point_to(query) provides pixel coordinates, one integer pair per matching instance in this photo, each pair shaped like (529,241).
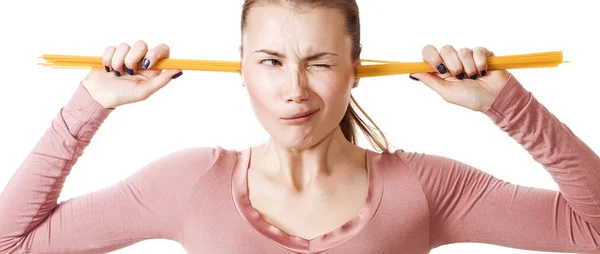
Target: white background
(208,109)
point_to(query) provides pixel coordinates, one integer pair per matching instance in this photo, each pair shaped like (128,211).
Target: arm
(469,205)
(149,204)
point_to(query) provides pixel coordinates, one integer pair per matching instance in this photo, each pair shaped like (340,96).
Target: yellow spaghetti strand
(375,68)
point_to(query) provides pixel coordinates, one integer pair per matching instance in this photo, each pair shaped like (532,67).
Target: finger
(107,57)
(432,56)
(119,57)
(452,61)
(135,55)
(433,81)
(466,58)
(161,51)
(154,84)
(480,56)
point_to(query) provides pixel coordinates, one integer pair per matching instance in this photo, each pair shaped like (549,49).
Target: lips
(302,114)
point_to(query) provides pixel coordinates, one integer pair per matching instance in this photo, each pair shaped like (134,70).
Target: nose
(296,87)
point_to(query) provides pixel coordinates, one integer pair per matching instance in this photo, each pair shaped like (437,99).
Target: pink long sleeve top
(198,196)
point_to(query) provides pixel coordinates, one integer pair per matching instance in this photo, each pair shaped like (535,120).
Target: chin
(299,138)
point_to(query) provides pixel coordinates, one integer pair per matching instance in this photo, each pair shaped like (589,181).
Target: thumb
(434,82)
(154,84)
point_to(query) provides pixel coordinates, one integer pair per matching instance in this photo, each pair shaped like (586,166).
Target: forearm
(32,192)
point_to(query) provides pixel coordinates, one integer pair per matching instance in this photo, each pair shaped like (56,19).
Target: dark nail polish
(461,76)
(483,72)
(441,68)
(177,75)
(106,68)
(145,63)
(413,78)
(475,76)
(129,71)
(117,73)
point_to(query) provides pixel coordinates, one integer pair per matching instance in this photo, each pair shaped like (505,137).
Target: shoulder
(194,162)
(196,155)
(203,155)
(432,168)
(418,161)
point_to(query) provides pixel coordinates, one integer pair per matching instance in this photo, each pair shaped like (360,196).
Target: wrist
(90,86)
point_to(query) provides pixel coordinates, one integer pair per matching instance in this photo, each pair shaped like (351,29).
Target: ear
(241,50)
(356,65)
(356,79)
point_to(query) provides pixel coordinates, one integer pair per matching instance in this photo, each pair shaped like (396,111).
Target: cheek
(335,90)
(261,91)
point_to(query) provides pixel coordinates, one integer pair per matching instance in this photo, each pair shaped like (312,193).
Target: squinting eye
(273,61)
(323,65)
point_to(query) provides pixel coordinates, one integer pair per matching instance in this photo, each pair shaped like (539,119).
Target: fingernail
(483,72)
(106,68)
(129,71)
(413,78)
(461,76)
(441,68)
(475,76)
(177,75)
(117,73)
(145,63)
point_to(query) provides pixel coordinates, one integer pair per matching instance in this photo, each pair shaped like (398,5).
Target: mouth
(300,118)
(300,115)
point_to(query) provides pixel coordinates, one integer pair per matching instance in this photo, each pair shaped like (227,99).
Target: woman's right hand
(122,82)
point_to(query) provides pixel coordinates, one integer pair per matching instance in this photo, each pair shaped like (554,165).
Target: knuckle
(427,48)
(110,49)
(465,52)
(430,54)
(164,46)
(162,50)
(124,46)
(447,49)
(141,45)
(479,51)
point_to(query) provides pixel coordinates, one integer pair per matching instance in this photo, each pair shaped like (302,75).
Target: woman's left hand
(463,77)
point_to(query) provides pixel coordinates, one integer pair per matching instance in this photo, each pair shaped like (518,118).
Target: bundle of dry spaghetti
(376,68)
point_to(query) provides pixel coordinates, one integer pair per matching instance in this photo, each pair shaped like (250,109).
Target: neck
(301,168)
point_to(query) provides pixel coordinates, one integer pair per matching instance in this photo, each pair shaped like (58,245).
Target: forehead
(280,26)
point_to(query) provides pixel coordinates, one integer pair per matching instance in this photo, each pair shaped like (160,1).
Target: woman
(309,188)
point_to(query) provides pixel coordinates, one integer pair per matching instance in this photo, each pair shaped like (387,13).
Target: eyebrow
(308,58)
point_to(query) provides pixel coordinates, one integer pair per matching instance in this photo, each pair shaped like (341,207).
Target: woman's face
(295,62)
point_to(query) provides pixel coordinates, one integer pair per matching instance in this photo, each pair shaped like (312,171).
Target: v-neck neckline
(344,232)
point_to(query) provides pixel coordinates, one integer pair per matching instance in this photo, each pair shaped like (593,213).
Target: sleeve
(469,205)
(149,204)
